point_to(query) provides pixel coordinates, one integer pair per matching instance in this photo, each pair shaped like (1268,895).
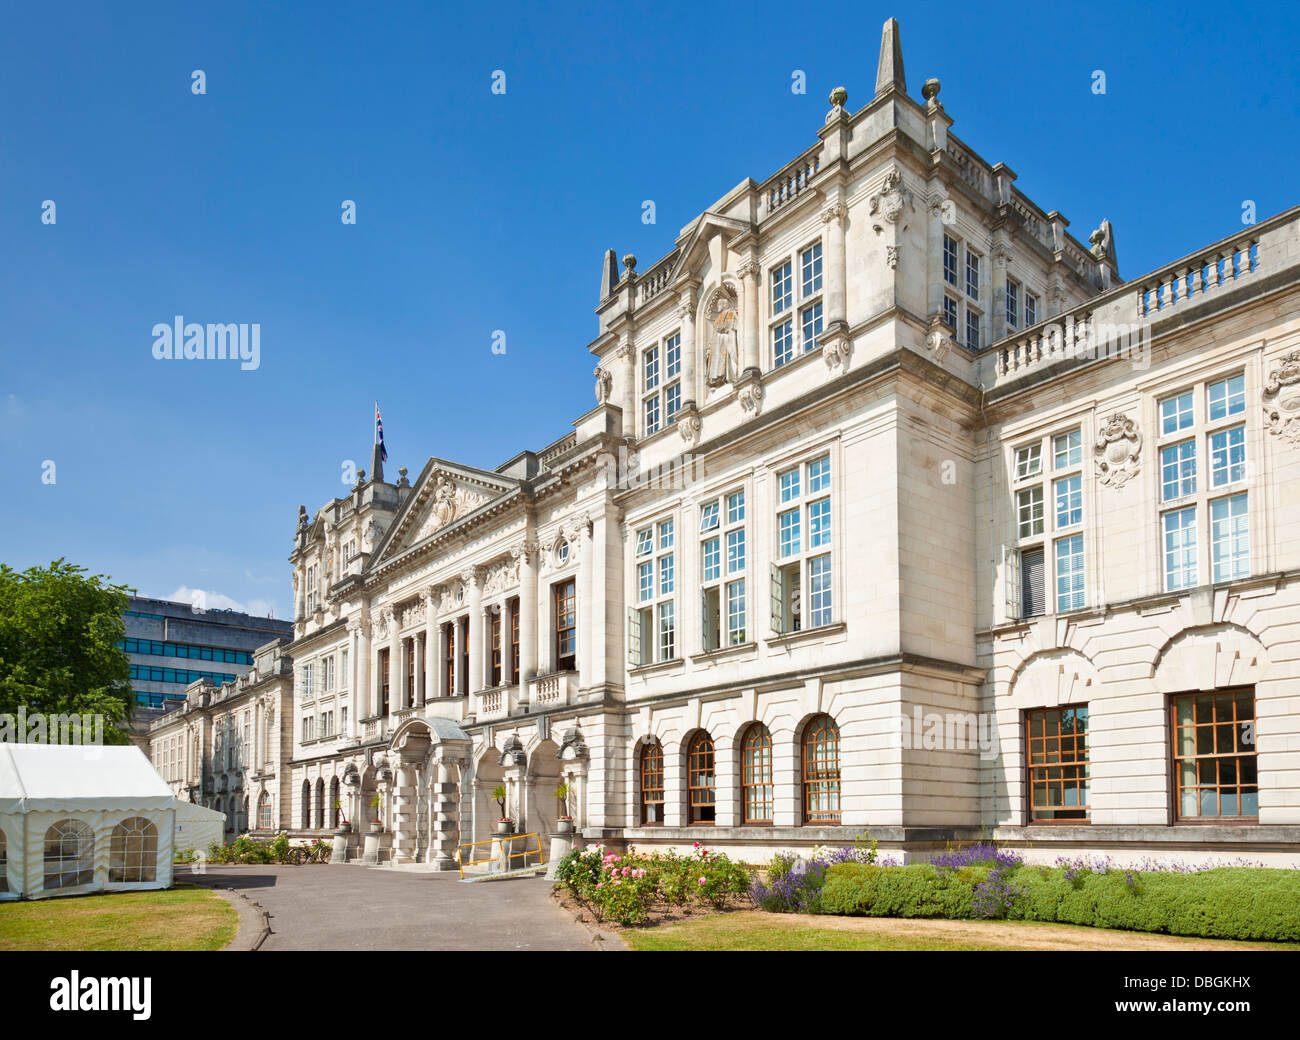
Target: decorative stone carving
(448,601)
(938,341)
(604,385)
(415,614)
(513,753)
(891,257)
(573,748)
(833,212)
(722,346)
(449,503)
(749,267)
(835,352)
(689,427)
(501,576)
(888,204)
(1282,399)
(1103,241)
(383,622)
(1116,450)
(750,396)
(523,552)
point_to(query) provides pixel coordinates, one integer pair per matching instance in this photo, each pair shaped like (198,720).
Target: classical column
(457,658)
(507,649)
(833,217)
(396,665)
(404,811)
(444,829)
(626,354)
(432,648)
(748,271)
(474,584)
(686,312)
(526,553)
(584,619)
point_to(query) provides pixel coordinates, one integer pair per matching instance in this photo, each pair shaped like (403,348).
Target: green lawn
(179,919)
(761,931)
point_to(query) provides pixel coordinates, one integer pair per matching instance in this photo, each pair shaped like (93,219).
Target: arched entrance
(426,756)
(542,779)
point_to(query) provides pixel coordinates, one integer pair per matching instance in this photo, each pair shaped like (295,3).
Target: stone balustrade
(790,181)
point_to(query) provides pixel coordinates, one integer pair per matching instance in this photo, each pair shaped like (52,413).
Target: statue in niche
(722,351)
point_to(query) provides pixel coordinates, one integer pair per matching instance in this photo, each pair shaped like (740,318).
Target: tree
(60,653)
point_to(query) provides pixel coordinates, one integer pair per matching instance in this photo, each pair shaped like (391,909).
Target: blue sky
(478,212)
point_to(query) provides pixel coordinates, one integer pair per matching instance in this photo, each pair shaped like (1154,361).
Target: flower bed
(631,888)
(988,883)
(246,849)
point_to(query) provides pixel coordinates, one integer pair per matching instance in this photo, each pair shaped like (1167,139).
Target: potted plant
(504,825)
(344,827)
(377,804)
(562,794)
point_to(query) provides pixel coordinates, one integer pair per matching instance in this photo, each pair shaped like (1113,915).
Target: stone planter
(564,826)
(505,827)
(375,827)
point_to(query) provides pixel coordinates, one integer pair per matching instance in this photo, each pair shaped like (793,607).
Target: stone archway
(427,756)
(484,811)
(541,806)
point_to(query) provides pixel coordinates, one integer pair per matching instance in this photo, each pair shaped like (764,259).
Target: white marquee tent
(77,818)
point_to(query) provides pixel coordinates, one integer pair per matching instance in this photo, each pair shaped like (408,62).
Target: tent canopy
(68,777)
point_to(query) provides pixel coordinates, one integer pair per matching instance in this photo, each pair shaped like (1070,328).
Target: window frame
(1060,764)
(701,764)
(1175,759)
(812,782)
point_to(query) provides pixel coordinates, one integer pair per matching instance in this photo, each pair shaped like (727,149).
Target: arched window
(4,862)
(320,804)
(133,851)
(335,807)
(756,775)
(69,855)
(821,771)
(264,819)
(701,797)
(652,783)
(306,804)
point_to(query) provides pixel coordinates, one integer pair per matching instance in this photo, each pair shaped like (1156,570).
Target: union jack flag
(379,434)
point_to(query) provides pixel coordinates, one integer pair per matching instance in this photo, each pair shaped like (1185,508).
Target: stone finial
(839,97)
(889,73)
(401,474)
(930,90)
(629,262)
(608,274)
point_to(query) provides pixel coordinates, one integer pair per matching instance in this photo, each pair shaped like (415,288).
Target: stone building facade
(898,511)
(227,746)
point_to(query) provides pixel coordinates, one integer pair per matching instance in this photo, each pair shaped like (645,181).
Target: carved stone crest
(689,427)
(1116,450)
(750,397)
(1282,399)
(449,503)
(888,204)
(835,352)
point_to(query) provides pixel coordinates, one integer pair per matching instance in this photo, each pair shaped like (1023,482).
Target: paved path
(351,907)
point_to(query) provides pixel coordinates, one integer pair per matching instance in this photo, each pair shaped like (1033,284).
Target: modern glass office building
(170,645)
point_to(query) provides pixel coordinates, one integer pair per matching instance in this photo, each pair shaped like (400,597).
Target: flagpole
(374,432)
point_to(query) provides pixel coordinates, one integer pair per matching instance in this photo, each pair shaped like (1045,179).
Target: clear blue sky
(479,212)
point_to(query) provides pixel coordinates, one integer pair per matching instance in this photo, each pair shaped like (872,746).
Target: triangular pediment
(443,495)
(693,247)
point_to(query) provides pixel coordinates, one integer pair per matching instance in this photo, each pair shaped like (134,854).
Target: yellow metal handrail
(541,856)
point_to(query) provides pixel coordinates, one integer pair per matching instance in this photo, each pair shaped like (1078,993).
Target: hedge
(1222,903)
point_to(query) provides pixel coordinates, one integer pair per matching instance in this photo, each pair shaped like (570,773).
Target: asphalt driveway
(351,907)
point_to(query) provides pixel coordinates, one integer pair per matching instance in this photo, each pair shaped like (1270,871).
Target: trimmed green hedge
(1224,903)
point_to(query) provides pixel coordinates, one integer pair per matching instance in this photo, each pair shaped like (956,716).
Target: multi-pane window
(821,771)
(1013,303)
(782,343)
(566,627)
(1057,756)
(701,789)
(810,325)
(652,783)
(756,787)
(801,574)
(661,387)
(1206,421)
(1035,566)
(951,258)
(652,622)
(950,313)
(1230,538)
(1031,309)
(722,571)
(972,329)
(810,269)
(1215,767)
(782,287)
(69,855)
(972,274)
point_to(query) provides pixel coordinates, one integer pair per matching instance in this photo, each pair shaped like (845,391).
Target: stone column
(507,650)
(432,648)
(396,666)
(585,618)
(752,306)
(457,657)
(474,585)
(444,813)
(998,291)
(404,810)
(833,217)
(526,553)
(626,355)
(686,312)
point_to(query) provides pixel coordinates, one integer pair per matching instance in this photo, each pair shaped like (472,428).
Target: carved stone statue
(722,350)
(604,384)
(444,501)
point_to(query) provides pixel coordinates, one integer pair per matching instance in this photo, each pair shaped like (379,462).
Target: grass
(178,919)
(741,931)
(746,930)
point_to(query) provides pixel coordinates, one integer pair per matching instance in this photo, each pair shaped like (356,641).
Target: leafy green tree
(59,652)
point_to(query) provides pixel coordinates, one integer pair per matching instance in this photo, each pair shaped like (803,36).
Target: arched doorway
(543,778)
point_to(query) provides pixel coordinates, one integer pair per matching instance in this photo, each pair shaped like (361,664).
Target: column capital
(525,551)
(472,577)
(835,212)
(748,268)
